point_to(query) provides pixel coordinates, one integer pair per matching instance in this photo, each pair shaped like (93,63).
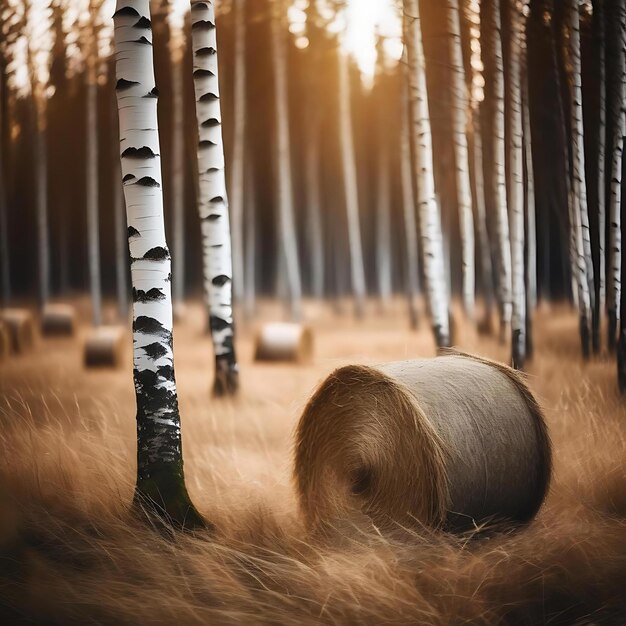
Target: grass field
(70,553)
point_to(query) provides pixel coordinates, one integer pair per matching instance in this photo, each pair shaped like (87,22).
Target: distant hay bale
(104,347)
(281,341)
(447,442)
(58,320)
(21,329)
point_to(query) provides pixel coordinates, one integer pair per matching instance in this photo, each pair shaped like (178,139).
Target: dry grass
(70,554)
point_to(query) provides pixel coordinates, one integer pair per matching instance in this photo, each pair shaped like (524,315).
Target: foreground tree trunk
(493,45)
(516,189)
(428,210)
(350,186)
(578,195)
(160,477)
(461,156)
(212,200)
(286,219)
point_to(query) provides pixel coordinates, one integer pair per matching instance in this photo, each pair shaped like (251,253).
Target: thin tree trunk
(212,201)
(498,181)
(286,220)
(41,168)
(350,186)
(237,184)
(5,270)
(250,247)
(314,206)
(618,115)
(516,190)
(621,339)
(177,194)
(91,170)
(383,222)
(461,157)
(579,190)
(160,476)
(408,209)
(428,210)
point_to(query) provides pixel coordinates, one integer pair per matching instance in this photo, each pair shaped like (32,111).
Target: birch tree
(579,216)
(516,187)
(497,187)
(160,476)
(286,220)
(428,211)
(618,125)
(461,155)
(212,199)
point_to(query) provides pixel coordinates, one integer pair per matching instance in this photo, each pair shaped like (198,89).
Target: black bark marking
(207,51)
(205,143)
(201,73)
(123,84)
(211,217)
(143,41)
(152,295)
(166,371)
(220,280)
(211,122)
(216,245)
(203,25)
(216,200)
(153,93)
(207,97)
(143,22)
(147,181)
(133,232)
(158,253)
(149,326)
(138,153)
(126,11)
(217,323)
(127,178)
(155,350)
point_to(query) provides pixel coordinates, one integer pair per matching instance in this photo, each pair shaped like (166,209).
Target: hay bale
(450,442)
(281,341)
(58,320)
(21,329)
(104,347)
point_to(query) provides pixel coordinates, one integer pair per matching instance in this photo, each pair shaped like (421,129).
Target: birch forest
(311,311)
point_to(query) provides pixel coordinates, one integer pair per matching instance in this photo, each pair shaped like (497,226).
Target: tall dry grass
(70,553)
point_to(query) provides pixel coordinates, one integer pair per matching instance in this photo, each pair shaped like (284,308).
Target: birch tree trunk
(383,221)
(91,184)
(516,190)
(286,219)
(177,194)
(212,200)
(160,475)
(461,157)
(579,210)
(498,182)
(428,210)
(599,37)
(250,249)
(408,209)
(237,184)
(618,125)
(350,186)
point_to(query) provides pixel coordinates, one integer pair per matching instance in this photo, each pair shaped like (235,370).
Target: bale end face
(21,329)
(58,320)
(284,342)
(104,347)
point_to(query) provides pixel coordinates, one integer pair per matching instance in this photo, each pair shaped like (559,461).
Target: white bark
(499,173)
(531,227)
(237,184)
(428,210)
(516,189)
(177,193)
(212,200)
(250,248)
(615,199)
(461,156)
(158,420)
(350,185)
(286,220)
(579,211)
(383,223)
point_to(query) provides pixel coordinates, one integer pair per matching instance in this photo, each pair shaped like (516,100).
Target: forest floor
(70,554)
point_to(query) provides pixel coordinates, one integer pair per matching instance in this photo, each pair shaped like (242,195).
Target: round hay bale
(58,320)
(104,347)
(21,329)
(450,442)
(282,341)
